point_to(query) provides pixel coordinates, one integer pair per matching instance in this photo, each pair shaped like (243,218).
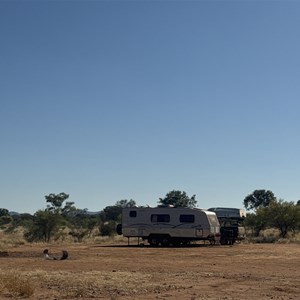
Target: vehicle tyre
(119,229)
(176,242)
(186,243)
(153,241)
(223,241)
(212,241)
(165,241)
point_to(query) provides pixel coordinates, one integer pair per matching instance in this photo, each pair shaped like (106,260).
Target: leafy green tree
(284,216)
(20,220)
(82,224)
(298,202)
(4,212)
(114,212)
(126,203)
(56,201)
(256,221)
(5,218)
(178,199)
(45,224)
(112,215)
(258,199)
(70,210)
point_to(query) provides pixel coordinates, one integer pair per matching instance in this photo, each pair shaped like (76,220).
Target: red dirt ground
(244,271)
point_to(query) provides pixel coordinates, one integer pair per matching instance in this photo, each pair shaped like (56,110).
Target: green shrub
(108,229)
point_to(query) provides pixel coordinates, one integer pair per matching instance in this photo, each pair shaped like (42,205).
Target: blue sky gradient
(111,100)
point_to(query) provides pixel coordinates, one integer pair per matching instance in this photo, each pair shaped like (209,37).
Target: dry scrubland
(109,269)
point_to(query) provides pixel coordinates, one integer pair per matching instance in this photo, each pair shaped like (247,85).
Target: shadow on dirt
(157,247)
(15,254)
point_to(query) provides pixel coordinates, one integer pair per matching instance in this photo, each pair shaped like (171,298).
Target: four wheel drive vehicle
(229,213)
(229,235)
(231,220)
(169,225)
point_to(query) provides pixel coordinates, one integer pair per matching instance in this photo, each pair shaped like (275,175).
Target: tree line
(61,217)
(266,211)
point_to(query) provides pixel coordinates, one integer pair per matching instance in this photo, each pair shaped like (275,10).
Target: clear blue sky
(111,100)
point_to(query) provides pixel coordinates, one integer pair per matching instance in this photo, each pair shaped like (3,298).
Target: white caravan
(169,225)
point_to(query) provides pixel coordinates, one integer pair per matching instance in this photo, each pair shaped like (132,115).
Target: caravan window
(213,220)
(160,218)
(187,218)
(132,214)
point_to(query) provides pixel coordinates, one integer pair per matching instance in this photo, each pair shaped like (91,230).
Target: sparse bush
(78,235)
(266,239)
(284,216)
(4,220)
(281,215)
(108,229)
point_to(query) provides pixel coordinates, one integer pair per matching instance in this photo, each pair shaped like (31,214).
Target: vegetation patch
(16,285)
(86,285)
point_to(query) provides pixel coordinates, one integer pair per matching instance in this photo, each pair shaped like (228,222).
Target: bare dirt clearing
(245,271)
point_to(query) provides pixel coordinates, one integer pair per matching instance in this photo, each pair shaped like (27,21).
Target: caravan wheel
(176,242)
(153,241)
(165,241)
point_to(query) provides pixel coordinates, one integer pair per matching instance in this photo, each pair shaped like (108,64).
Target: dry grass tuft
(272,236)
(95,284)
(91,285)
(16,285)
(13,239)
